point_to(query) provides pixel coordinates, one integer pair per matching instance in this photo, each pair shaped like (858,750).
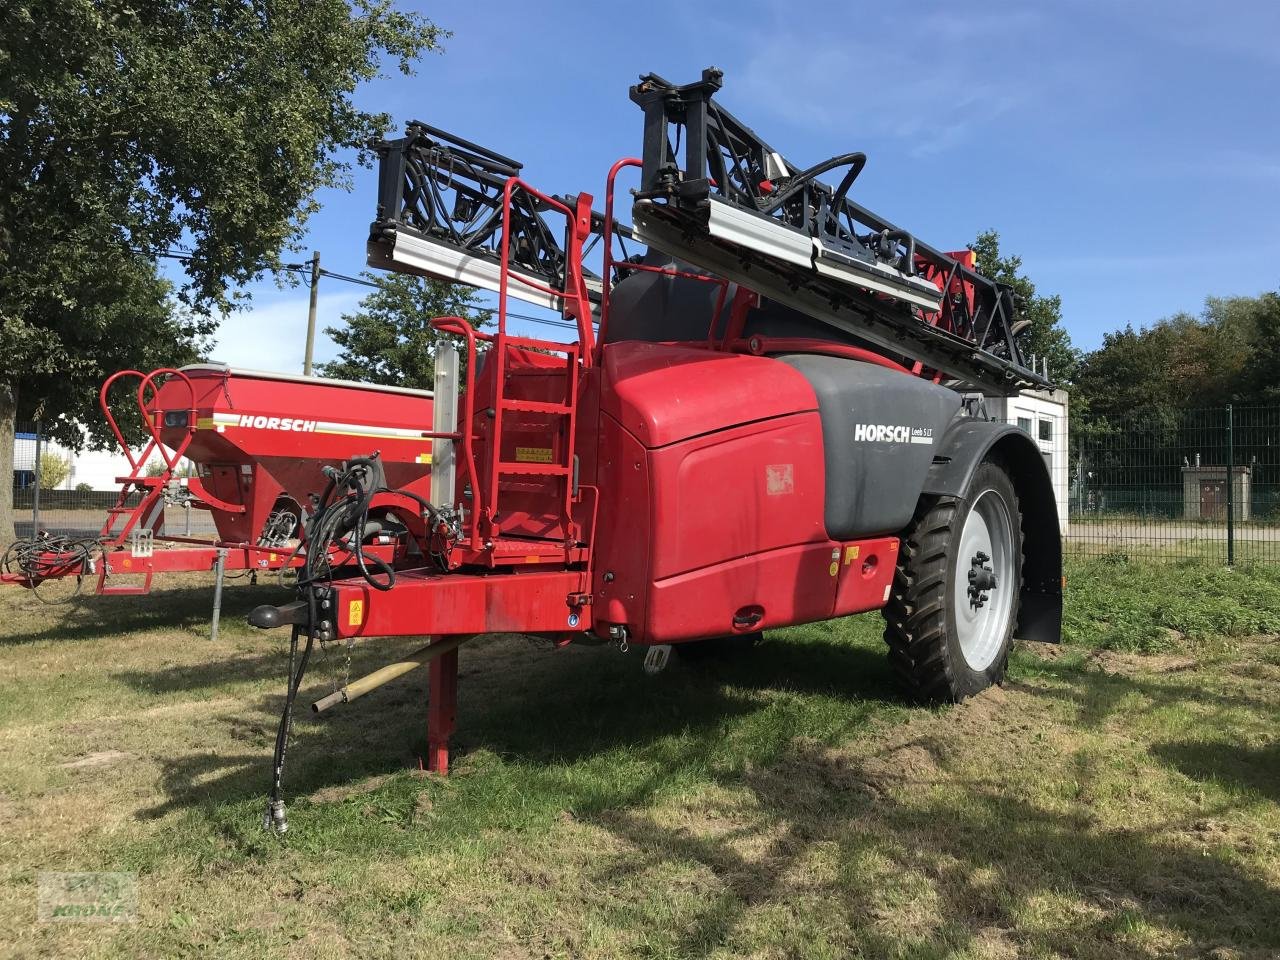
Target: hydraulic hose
(341,518)
(274,817)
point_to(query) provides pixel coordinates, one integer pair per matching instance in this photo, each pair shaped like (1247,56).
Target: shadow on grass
(566,719)
(1253,769)
(91,617)
(987,856)
(1105,693)
(584,731)
(220,671)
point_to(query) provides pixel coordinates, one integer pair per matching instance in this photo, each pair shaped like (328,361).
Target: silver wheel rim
(982,615)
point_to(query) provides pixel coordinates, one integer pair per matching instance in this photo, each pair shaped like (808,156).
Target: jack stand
(442,710)
(219,573)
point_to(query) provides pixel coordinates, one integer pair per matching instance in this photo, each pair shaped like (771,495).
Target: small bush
(54,470)
(84,488)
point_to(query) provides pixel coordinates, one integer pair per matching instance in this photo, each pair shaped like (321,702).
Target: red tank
(261,436)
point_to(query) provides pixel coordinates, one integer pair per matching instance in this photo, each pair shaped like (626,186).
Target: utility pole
(311,314)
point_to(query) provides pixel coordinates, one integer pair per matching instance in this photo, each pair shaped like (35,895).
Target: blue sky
(1128,151)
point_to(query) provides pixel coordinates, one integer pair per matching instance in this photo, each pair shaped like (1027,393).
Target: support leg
(219,573)
(442,709)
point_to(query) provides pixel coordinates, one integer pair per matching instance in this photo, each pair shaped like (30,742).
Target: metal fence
(48,496)
(1201,484)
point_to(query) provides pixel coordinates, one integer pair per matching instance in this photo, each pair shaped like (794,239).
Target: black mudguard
(967,443)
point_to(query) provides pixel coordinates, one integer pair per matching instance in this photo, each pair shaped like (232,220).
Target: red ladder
(566,411)
(483,525)
(146,518)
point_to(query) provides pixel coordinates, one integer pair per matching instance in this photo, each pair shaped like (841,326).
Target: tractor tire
(714,647)
(949,637)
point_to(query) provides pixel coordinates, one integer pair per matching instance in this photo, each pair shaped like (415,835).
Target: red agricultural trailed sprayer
(772,416)
(258,442)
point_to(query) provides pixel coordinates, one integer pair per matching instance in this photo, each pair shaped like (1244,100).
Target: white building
(1043,414)
(97,468)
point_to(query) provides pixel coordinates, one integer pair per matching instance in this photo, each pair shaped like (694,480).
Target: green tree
(129,127)
(1230,352)
(1260,378)
(389,339)
(1046,337)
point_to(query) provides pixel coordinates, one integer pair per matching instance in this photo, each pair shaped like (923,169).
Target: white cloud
(271,335)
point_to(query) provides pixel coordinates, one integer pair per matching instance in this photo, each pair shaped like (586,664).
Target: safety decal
(355,613)
(533,454)
(779,479)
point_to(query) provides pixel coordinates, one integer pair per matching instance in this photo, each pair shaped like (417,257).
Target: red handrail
(574,297)
(606,237)
(111,420)
(607,244)
(149,420)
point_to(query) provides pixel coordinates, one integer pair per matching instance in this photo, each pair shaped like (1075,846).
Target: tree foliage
(129,127)
(1046,337)
(1229,353)
(389,339)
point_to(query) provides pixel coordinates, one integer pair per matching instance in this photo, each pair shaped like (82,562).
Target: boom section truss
(440,215)
(716,195)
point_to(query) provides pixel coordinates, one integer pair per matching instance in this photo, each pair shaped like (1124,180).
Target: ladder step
(537,406)
(534,469)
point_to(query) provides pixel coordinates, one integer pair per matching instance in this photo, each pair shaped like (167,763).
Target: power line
(305,270)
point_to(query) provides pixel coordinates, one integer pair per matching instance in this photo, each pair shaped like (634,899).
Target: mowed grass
(781,803)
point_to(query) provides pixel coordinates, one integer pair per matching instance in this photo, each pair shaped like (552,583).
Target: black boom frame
(832,258)
(447,193)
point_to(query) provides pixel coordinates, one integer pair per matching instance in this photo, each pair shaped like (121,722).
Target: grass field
(1120,796)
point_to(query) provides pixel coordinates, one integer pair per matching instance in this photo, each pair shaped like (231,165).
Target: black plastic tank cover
(880,429)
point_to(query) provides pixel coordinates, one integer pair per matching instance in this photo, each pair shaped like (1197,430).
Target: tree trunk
(8,426)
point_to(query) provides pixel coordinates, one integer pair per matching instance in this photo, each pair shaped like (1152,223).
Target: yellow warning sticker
(355,613)
(850,555)
(835,568)
(423,458)
(533,454)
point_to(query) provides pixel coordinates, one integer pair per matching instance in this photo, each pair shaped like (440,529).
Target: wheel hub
(981,580)
(982,610)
